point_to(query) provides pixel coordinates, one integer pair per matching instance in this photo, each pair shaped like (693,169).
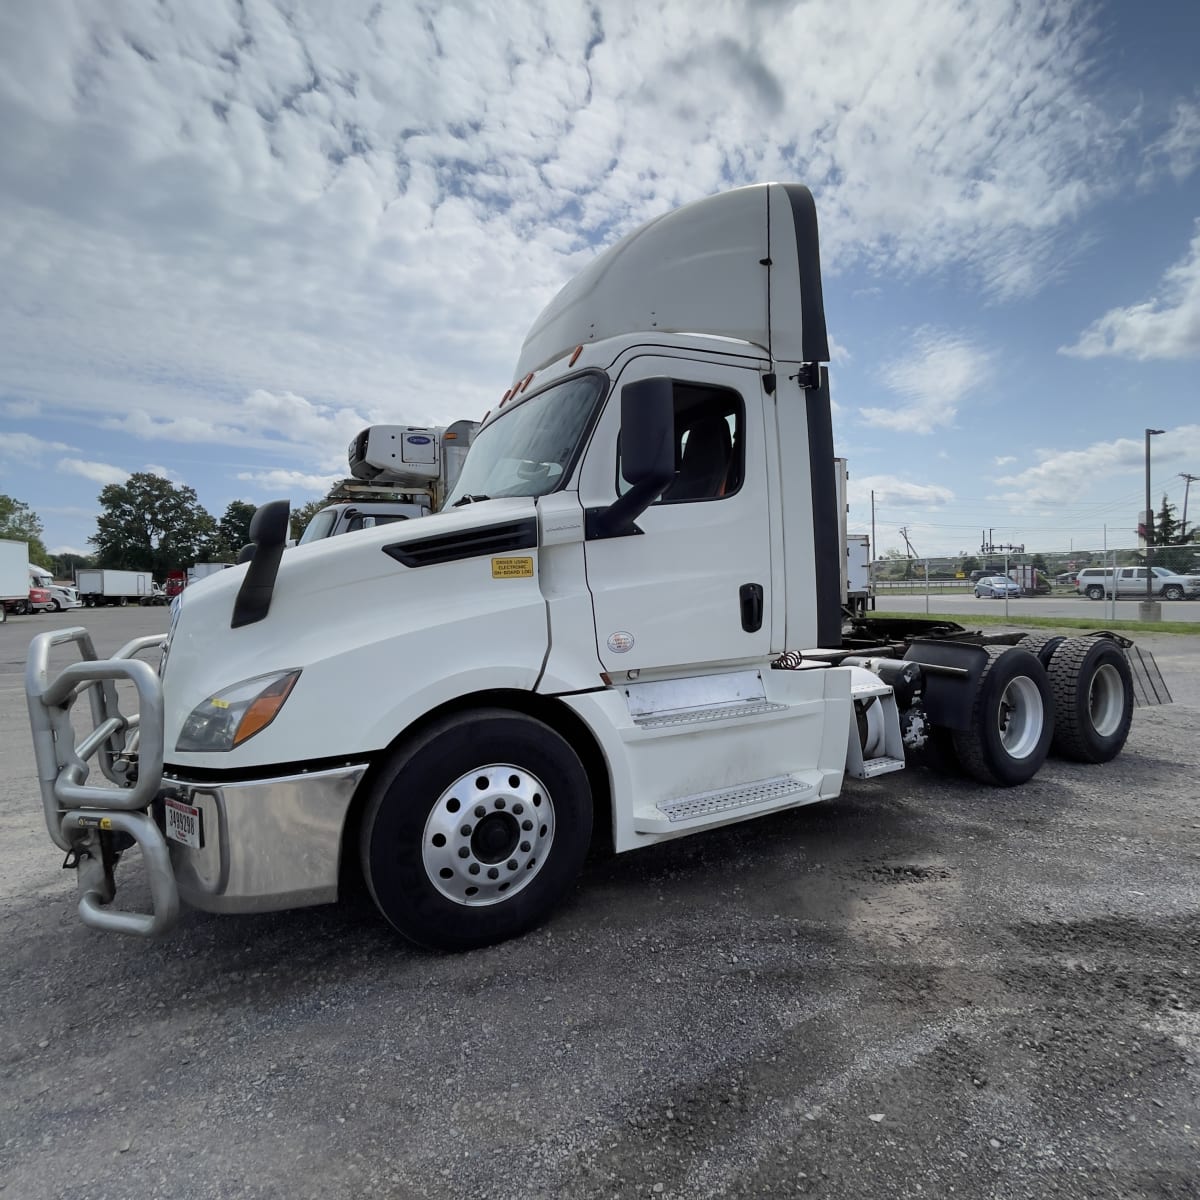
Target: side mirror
(647,455)
(268,533)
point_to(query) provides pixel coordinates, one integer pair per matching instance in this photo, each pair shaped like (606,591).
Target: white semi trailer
(628,614)
(14,575)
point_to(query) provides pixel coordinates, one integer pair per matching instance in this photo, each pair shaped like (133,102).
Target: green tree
(1166,526)
(1038,562)
(969,563)
(151,524)
(64,566)
(233,532)
(19,523)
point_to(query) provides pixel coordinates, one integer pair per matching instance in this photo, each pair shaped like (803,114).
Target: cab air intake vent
(466,543)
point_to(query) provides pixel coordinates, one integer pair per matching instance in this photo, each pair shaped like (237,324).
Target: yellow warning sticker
(105,822)
(512,568)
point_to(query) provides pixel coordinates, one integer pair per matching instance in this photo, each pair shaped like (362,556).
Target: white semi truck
(628,616)
(398,472)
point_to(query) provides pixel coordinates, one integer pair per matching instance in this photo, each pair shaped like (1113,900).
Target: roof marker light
(577,353)
(526,382)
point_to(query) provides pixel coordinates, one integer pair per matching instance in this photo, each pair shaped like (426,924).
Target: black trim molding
(808,251)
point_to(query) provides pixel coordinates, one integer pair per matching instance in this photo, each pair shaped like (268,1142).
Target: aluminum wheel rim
(489,835)
(1106,700)
(1021,717)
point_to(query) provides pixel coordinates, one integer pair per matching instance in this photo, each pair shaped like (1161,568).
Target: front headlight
(236,713)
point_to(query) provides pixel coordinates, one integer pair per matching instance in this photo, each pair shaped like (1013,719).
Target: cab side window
(710,453)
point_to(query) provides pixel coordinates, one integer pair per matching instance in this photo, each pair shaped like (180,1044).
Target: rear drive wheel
(1172,592)
(1011,719)
(1094,592)
(1043,645)
(1093,694)
(476,829)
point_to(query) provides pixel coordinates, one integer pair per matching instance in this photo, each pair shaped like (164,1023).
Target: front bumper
(265,844)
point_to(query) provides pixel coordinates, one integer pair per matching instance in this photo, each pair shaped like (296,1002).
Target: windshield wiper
(468,499)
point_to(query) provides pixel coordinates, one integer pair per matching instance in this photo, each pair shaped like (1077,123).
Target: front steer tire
(1093,694)
(428,854)
(1012,719)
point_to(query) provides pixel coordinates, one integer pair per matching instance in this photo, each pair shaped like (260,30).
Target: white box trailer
(14,574)
(99,587)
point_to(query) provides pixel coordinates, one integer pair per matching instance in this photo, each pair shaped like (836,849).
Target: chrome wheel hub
(488,835)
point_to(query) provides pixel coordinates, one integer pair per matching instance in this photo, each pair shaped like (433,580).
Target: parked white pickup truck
(1097,582)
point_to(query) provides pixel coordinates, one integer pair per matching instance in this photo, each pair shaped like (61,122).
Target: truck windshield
(529,449)
(321,526)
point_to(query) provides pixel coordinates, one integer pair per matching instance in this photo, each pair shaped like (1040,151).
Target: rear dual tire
(1011,722)
(1093,692)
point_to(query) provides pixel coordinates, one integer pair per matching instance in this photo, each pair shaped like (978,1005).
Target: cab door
(694,585)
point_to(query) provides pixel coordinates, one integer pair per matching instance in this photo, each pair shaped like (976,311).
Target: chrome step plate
(710,804)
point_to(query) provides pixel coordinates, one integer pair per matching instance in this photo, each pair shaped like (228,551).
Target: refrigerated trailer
(628,615)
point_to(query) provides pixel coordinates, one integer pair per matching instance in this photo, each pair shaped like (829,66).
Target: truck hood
(365,617)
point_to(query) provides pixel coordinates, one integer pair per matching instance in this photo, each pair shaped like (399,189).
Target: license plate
(183,823)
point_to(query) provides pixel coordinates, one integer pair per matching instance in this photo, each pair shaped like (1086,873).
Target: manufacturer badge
(620,642)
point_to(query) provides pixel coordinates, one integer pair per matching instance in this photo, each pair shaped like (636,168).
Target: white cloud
(838,352)
(367,207)
(26,446)
(1062,477)
(1166,326)
(102,473)
(64,549)
(162,472)
(942,371)
(891,489)
(285,481)
(1003,460)
(1178,150)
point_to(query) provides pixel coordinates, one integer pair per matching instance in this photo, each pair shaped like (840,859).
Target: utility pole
(875,548)
(1188,481)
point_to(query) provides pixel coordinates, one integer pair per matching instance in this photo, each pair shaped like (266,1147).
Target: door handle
(751,596)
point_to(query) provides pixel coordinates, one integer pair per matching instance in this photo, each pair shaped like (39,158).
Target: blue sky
(233,234)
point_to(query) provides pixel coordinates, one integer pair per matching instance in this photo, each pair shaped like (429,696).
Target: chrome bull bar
(82,818)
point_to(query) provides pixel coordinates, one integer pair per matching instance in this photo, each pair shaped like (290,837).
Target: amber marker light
(263,709)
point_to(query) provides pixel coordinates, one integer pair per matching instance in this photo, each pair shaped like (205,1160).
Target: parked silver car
(997,587)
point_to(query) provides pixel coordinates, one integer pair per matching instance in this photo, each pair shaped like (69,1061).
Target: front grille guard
(84,819)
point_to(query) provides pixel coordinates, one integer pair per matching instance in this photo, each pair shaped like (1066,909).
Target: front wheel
(476,829)
(1011,721)
(1095,592)
(55,606)
(1093,692)
(1172,592)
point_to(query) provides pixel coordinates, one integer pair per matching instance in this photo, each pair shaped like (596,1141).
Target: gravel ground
(924,988)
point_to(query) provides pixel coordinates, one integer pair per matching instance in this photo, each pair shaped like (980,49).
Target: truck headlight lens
(237,713)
